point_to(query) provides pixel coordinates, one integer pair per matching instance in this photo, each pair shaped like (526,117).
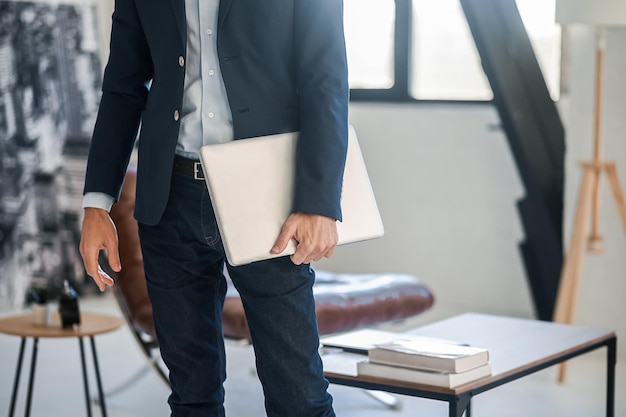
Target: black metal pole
(98,379)
(611,355)
(459,404)
(85,381)
(18,372)
(31,379)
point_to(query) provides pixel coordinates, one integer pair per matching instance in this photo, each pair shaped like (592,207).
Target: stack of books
(423,361)
(410,358)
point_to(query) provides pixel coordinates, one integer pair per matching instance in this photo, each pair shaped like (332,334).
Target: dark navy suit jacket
(284,68)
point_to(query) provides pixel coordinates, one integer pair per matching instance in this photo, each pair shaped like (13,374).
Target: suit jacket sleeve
(322,83)
(124,92)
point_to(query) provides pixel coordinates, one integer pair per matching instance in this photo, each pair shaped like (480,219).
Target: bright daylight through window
(443,60)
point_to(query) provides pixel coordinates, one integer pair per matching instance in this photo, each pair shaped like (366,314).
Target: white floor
(58,389)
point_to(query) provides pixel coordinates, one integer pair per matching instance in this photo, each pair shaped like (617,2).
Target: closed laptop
(250,182)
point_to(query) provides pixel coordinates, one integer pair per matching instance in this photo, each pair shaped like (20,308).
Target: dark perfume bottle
(68,307)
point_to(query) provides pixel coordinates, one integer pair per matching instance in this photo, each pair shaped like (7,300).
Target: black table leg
(459,405)
(85,381)
(611,355)
(18,372)
(98,379)
(31,378)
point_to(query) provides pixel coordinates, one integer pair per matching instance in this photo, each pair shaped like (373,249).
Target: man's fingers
(305,253)
(316,237)
(113,256)
(101,278)
(106,279)
(327,254)
(298,258)
(283,239)
(92,267)
(99,233)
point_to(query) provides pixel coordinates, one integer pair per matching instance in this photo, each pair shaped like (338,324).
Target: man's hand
(99,233)
(316,236)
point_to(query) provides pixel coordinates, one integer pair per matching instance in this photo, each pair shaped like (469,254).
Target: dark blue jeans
(184,259)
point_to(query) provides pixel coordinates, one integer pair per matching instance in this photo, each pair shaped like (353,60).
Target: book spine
(403,374)
(412,361)
(441,379)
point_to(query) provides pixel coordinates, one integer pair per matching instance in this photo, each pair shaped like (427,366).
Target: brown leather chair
(343,301)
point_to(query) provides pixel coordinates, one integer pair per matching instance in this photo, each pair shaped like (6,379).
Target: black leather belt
(188,167)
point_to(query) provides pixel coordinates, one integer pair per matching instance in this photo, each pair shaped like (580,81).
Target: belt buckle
(197,171)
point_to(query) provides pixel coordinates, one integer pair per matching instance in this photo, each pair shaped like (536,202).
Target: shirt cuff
(98,200)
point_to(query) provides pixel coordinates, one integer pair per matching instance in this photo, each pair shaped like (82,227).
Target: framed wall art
(50,74)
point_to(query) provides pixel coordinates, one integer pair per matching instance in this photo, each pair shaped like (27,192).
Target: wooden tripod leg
(570,275)
(595,240)
(611,173)
(573,259)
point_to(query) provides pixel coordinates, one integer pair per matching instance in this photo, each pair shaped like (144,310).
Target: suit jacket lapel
(179,16)
(223,11)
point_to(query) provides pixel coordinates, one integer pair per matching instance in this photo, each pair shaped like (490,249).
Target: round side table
(91,324)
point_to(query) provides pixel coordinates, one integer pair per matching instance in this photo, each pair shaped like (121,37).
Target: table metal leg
(85,380)
(98,379)
(610,372)
(31,378)
(18,372)
(459,405)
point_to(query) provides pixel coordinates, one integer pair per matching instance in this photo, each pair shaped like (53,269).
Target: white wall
(105,11)
(447,187)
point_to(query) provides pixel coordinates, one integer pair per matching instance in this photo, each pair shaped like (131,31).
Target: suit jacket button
(176,115)
(181,61)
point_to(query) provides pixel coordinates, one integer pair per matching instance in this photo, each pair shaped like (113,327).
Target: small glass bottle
(68,307)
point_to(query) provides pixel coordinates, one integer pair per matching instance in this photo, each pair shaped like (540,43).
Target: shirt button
(209,31)
(211,72)
(176,115)
(211,115)
(181,61)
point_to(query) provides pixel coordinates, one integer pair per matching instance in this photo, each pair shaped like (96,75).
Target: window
(444,60)
(369,42)
(423,49)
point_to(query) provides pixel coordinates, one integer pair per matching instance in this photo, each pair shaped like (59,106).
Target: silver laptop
(251,182)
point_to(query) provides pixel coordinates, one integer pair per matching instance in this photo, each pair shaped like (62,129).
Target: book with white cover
(250,182)
(427,354)
(440,379)
(362,340)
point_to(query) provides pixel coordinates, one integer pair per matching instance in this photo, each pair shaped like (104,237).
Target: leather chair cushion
(347,301)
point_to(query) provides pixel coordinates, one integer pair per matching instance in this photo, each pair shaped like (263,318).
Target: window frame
(400,91)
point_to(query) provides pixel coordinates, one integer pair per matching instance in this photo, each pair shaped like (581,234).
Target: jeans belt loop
(197,171)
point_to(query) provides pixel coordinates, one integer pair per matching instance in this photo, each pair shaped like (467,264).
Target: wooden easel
(587,208)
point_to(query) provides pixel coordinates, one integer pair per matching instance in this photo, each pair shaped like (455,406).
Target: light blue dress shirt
(206,116)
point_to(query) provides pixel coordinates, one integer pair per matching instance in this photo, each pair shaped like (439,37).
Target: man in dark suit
(192,72)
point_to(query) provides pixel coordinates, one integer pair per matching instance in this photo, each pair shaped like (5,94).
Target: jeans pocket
(210,230)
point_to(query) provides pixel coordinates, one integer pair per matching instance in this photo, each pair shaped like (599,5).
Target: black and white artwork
(50,76)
